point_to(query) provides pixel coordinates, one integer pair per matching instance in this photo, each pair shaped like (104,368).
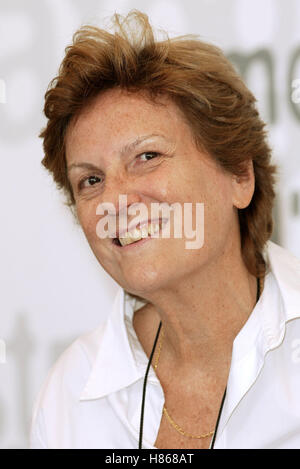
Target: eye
(150,154)
(88,181)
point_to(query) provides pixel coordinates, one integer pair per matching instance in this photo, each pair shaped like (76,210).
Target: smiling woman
(170,123)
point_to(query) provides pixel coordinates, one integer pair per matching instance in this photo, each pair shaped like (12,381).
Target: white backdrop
(52,288)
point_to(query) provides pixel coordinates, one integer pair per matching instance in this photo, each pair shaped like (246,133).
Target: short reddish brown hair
(215,101)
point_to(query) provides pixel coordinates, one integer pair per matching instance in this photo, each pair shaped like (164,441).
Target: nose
(119,193)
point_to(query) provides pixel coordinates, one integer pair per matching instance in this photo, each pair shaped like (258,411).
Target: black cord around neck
(145,385)
(218,420)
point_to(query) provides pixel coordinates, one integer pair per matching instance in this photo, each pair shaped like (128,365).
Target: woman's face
(124,144)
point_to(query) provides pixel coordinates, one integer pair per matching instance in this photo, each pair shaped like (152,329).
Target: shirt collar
(286,270)
(266,326)
(282,304)
(121,361)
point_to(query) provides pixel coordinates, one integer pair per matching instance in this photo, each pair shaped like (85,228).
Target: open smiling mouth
(140,234)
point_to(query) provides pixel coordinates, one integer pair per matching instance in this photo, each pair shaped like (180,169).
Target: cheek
(88,220)
(219,217)
(214,191)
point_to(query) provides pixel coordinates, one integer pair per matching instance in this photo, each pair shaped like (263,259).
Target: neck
(203,314)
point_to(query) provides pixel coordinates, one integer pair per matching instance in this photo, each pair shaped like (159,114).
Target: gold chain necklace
(166,413)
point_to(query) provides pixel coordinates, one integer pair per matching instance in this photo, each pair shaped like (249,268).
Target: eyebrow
(82,165)
(131,146)
(126,149)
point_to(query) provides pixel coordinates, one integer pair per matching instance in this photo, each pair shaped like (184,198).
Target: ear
(243,187)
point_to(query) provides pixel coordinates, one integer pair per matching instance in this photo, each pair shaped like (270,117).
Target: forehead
(116,116)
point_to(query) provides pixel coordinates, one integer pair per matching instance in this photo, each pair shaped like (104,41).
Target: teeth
(154,227)
(137,234)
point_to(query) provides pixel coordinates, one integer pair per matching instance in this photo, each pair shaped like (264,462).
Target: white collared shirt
(92,395)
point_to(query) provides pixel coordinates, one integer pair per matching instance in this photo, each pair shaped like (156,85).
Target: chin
(143,283)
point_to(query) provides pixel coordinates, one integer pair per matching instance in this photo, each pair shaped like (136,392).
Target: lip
(132,225)
(142,241)
(135,245)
